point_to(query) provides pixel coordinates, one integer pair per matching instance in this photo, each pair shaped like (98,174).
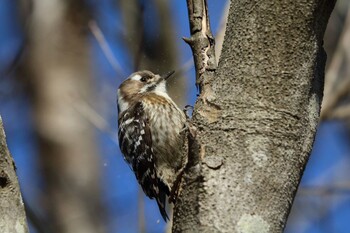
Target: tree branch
(60,88)
(202,44)
(256,115)
(201,41)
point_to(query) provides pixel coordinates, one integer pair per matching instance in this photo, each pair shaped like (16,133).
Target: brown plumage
(150,126)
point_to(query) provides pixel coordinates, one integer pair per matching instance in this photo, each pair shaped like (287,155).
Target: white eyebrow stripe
(136,77)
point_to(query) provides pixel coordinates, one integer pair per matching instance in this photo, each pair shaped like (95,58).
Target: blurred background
(61,62)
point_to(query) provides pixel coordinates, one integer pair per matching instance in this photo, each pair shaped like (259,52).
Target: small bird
(150,134)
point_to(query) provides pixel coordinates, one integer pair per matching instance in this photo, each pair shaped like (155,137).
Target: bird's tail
(161,201)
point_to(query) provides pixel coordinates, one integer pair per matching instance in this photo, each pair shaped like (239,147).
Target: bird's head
(140,83)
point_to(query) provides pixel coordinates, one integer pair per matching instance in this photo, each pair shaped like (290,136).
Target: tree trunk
(13,218)
(256,116)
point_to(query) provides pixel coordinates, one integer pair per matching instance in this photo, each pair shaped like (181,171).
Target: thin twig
(186,66)
(201,40)
(107,51)
(90,114)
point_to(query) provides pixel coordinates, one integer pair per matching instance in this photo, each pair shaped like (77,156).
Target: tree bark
(256,116)
(13,218)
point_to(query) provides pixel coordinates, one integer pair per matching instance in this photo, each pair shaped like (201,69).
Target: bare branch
(201,41)
(202,44)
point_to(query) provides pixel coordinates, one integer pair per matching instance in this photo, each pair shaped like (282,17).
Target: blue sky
(328,166)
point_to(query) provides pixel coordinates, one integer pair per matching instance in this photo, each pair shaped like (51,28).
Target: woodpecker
(151,134)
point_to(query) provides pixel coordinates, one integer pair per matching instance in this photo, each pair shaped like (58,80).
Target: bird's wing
(135,142)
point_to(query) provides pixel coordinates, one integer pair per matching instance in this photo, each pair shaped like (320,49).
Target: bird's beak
(168,75)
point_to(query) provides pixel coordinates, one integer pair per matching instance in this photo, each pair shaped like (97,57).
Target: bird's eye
(143,79)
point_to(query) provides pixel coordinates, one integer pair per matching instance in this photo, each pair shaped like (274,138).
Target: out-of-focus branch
(56,63)
(325,190)
(36,221)
(336,88)
(96,31)
(13,218)
(141,211)
(219,37)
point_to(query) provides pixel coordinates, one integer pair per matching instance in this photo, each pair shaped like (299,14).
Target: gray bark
(13,218)
(256,116)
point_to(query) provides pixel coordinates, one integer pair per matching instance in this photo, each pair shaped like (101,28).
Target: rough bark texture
(13,218)
(56,65)
(202,44)
(256,125)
